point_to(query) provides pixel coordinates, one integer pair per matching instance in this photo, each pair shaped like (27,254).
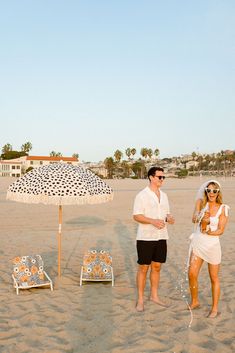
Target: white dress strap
(226,210)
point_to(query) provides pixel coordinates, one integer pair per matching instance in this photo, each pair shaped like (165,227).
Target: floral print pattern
(28,270)
(97,265)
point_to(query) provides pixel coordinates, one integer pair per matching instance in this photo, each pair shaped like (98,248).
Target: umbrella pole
(59,239)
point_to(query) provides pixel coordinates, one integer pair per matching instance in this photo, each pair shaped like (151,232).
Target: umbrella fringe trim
(57,200)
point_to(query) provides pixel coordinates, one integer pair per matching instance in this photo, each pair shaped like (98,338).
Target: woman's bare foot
(159,302)
(194,306)
(213,314)
(139,307)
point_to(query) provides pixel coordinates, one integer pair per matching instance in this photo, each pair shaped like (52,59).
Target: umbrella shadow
(82,223)
(124,237)
(50,262)
(97,245)
(86,221)
(94,299)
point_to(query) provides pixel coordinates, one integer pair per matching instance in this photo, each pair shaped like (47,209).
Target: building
(97,168)
(17,167)
(10,168)
(38,161)
(192,164)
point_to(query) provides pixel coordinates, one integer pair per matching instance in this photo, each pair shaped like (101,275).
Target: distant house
(229,152)
(17,167)
(97,168)
(38,161)
(186,158)
(192,164)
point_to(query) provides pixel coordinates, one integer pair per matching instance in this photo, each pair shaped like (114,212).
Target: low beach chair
(97,266)
(28,273)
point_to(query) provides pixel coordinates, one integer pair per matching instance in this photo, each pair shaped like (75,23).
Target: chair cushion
(28,270)
(97,265)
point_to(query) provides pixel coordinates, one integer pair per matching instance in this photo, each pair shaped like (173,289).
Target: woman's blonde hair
(219,198)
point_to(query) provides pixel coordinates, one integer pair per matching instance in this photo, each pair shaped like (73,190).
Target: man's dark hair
(153,170)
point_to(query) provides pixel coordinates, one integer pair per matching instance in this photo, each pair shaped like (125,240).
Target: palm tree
(55,154)
(126,169)
(136,167)
(75,155)
(144,152)
(207,162)
(200,160)
(156,152)
(26,147)
(230,159)
(133,151)
(223,158)
(213,162)
(118,155)
(6,148)
(109,165)
(139,169)
(218,161)
(194,155)
(150,153)
(128,152)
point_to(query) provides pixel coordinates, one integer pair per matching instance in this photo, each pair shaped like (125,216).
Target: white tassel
(59,200)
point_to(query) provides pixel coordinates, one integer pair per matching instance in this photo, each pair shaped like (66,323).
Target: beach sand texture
(99,318)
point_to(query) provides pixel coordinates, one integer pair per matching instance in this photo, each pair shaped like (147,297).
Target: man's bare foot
(194,306)
(159,302)
(213,314)
(139,307)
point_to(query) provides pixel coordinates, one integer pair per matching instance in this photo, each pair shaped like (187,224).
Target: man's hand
(170,219)
(158,223)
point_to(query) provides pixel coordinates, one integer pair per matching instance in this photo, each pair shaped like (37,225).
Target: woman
(211,216)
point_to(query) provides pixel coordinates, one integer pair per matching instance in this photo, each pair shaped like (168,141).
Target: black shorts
(151,250)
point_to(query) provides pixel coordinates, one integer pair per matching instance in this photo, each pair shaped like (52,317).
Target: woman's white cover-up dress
(205,246)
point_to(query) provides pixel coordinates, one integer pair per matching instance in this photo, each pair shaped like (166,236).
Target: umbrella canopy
(60,184)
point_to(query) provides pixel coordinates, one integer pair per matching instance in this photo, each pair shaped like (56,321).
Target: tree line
(130,153)
(119,166)
(135,169)
(9,153)
(215,163)
(112,164)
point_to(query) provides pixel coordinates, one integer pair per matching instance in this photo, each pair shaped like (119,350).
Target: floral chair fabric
(28,272)
(97,266)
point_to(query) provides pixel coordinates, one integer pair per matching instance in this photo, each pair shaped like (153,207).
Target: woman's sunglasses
(215,191)
(161,177)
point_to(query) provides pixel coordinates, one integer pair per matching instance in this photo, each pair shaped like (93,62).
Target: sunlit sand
(98,317)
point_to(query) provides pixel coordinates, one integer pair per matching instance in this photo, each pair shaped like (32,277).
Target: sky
(94,76)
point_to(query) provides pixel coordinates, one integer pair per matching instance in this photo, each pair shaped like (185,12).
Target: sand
(99,318)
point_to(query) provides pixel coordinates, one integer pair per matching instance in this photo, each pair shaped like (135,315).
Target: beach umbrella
(60,184)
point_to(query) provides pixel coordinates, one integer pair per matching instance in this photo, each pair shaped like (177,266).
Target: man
(151,211)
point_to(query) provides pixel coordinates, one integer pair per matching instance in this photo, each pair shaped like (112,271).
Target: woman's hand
(195,217)
(206,218)
(204,222)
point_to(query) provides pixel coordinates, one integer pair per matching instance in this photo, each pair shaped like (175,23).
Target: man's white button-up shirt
(147,204)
